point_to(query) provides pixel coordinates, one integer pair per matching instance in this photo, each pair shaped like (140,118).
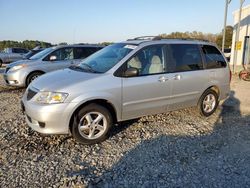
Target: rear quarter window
(213,58)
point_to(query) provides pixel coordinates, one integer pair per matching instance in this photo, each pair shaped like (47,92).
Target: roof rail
(146,38)
(160,38)
(194,39)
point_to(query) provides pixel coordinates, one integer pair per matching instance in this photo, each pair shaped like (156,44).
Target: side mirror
(52,58)
(131,72)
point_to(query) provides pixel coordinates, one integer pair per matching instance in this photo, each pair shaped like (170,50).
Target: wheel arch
(216,89)
(32,72)
(103,102)
(212,87)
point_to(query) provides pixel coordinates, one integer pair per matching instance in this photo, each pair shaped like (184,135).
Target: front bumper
(15,79)
(48,118)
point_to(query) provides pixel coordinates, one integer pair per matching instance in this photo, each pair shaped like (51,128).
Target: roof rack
(160,38)
(193,39)
(145,38)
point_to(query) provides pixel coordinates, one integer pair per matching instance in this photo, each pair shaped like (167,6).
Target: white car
(227,53)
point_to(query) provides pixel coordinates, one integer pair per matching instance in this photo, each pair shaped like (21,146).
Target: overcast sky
(92,21)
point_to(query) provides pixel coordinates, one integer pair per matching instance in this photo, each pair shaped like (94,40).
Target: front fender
(86,97)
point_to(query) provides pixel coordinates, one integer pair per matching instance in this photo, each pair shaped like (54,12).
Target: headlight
(46,97)
(15,68)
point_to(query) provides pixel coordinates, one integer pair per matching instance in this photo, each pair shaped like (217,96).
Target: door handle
(177,77)
(162,79)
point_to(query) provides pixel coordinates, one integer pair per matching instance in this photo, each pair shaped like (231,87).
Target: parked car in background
(12,54)
(22,73)
(125,81)
(227,53)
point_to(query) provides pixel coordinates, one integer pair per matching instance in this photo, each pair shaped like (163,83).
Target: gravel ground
(177,149)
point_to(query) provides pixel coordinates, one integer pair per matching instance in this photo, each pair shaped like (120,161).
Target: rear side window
(213,57)
(183,57)
(19,50)
(81,53)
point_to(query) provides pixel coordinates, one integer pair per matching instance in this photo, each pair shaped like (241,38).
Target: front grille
(7,69)
(31,94)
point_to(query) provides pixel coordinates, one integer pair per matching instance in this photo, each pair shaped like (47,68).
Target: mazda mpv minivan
(124,81)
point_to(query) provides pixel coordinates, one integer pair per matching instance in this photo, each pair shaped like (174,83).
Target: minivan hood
(20,62)
(61,79)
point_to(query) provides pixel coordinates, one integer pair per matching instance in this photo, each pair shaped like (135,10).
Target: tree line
(215,38)
(28,44)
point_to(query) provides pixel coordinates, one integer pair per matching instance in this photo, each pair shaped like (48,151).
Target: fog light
(41,124)
(13,82)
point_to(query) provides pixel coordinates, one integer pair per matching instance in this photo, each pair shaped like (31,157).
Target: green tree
(191,35)
(228,37)
(28,44)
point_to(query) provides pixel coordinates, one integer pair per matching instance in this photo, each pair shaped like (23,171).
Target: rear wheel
(32,77)
(92,124)
(208,103)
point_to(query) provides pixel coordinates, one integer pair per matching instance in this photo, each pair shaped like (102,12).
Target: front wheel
(208,103)
(92,124)
(32,77)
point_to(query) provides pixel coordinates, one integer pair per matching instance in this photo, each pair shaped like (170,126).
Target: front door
(150,91)
(60,59)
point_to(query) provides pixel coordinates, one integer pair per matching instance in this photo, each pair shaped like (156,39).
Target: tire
(32,77)
(92,132)
(1,63)
(208,103)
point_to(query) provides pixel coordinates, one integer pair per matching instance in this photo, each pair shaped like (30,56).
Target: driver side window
(149,60)
(63,54)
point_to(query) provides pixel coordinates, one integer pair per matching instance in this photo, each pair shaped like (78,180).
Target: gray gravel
(177,149)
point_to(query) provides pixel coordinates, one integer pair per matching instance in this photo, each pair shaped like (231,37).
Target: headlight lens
(17,67)
(45,97)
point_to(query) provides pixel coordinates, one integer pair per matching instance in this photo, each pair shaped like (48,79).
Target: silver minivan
(22,73)
(124,81)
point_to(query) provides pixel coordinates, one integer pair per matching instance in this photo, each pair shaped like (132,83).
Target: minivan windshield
(42,54)
(106,58)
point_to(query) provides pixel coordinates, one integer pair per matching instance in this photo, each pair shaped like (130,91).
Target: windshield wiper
(89,68)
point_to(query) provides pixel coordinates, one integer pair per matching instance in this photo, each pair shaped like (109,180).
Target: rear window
(19,50)
(213,57)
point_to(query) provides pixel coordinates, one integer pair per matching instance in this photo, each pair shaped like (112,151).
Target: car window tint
(20,50)
(149,60)
(183,57)
(213,57)
(16,50)
(83,52)
(63,54)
